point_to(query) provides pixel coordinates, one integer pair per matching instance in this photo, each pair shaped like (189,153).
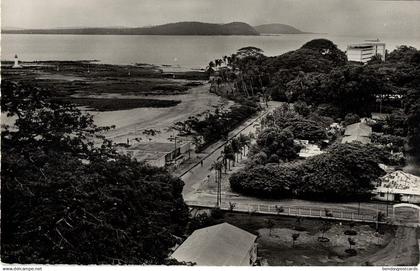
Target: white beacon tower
(16,64)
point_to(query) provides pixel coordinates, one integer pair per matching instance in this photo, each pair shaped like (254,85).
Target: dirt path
(402,250)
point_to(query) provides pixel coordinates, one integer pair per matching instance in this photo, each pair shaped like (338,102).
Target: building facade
(363,52)
(159,154)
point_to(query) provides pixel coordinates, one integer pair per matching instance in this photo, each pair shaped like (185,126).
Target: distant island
(179,28)
(278,29)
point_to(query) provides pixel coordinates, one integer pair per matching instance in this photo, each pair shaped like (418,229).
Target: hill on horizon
(179,28)
(278,29)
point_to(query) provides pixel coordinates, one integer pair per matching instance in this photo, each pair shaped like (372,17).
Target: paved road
(196,175)
(198,189)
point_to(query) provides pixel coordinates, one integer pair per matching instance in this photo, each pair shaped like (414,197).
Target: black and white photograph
(188,134)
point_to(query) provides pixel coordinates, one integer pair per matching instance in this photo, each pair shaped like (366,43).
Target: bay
(176,52)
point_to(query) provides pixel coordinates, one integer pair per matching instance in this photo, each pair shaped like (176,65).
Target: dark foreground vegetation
(67,200)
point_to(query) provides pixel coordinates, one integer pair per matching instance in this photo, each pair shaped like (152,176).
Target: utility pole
(219,190)
(219,181)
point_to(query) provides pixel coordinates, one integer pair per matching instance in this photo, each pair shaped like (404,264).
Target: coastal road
(199,172)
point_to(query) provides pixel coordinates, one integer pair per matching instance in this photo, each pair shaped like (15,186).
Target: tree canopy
(68,197)
(346,172)
(278,143)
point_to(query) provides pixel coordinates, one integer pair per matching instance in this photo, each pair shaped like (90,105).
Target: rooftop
(365,44)
(399,182)
(153,147)
(359,129)
(218,245)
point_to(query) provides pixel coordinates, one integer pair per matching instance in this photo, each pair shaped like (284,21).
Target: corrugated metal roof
(219,245)
(400,182)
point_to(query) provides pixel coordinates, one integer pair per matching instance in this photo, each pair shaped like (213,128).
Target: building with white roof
(218,245)
(398,186)
(310,150)
(363,52)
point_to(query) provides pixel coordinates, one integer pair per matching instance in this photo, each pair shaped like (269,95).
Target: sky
(343,17)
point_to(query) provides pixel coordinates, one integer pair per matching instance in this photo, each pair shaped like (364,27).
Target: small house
(363,52)
(398,186)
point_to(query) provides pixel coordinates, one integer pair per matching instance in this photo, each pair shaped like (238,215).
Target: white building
(159,154)
(218,245)
(308,150)
(363,52)
(398,186)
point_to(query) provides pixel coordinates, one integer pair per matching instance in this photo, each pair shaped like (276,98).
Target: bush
(351,118)
(264,181)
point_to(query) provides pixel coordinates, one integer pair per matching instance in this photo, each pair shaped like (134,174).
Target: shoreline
(88,82)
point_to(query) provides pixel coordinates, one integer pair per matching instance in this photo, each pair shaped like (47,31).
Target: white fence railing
(335,214)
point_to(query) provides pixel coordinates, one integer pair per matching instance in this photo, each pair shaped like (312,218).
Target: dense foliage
(68,197)
(215,125)
(310,127)
(275,144)
(413,122)
(345,173)
(325,88)
(319,76)
(267,181)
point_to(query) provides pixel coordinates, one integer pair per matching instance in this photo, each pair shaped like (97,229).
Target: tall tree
(68,197)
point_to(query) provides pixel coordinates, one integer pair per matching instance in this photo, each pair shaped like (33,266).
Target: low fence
(333,214)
